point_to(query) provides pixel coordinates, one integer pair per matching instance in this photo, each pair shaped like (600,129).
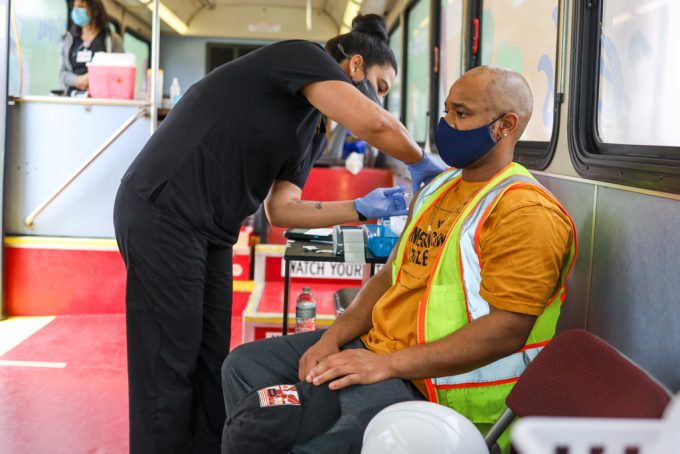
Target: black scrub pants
(178,314)
(275,361)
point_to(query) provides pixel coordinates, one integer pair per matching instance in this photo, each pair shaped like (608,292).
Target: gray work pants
(275,361)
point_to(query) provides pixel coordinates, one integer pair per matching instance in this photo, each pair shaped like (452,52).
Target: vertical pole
(286,289)
(562,45)
(4,56)
(155,45)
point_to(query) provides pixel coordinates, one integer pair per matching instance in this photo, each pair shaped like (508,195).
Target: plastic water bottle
(305,311)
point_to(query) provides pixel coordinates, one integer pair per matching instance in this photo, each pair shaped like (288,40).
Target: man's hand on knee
(313,356)
(351,367)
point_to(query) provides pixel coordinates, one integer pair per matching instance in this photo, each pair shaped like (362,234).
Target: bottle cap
(306,290)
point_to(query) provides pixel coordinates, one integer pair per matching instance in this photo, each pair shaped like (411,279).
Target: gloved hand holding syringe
(383,202)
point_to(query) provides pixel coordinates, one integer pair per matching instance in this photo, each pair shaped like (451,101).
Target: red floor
(323,293)
(80,407)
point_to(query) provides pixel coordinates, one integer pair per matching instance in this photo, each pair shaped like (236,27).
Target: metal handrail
(71,100)
(155,59)
(31,217)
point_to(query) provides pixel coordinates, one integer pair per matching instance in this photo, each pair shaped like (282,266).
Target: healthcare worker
(250,131)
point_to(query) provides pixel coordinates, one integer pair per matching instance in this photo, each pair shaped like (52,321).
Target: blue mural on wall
(545,65)
(611,71)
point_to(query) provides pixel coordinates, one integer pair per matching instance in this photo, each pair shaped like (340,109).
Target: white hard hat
(422,428)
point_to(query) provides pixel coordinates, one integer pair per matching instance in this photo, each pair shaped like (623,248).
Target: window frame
(466,57)
(535,155)
(435,62)
(399,23)
(234,46)
(593,159)
(404,82)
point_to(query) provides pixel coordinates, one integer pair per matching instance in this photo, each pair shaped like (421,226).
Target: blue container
(380,239)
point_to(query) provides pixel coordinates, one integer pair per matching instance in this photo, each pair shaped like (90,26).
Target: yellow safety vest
(452,297)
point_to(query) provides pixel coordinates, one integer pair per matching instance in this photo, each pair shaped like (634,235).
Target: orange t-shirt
(523,245)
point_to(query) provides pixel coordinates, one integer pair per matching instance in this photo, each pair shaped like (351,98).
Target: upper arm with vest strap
(523,245)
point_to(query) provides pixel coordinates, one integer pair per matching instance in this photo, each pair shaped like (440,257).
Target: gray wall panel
(635,281)
(47,142)
(577,198)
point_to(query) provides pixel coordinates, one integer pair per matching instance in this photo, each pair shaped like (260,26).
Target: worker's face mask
(459,148)
(80,17)
(366,87)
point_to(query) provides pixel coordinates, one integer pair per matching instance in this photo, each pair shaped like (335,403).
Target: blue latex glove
(382,202)
(423,171)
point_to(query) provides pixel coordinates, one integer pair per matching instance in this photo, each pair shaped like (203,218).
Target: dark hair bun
(371,24)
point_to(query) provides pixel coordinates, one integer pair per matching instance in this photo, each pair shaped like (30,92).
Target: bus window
(221,53)
(393,100)
(625,93)
(40,26)
(418,69)
(450,37)
(141,49)
(522,36)
(639,90)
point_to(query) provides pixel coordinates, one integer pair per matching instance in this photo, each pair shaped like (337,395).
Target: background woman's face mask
(459,148)
(80,17)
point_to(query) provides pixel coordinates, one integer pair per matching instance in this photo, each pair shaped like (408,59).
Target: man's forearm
(357,318)
(481,342)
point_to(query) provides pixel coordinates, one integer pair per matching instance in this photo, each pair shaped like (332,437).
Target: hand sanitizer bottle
(175,92)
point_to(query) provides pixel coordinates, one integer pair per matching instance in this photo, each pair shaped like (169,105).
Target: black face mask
(366,87)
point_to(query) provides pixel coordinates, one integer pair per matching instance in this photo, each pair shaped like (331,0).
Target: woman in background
(88,34)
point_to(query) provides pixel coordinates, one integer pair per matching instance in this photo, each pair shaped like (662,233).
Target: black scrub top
(214,158)
(80,56)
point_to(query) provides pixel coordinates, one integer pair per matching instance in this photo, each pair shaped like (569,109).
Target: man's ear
(508,125)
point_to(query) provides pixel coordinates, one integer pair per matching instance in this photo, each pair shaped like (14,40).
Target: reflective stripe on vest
(504,370)
(472,270)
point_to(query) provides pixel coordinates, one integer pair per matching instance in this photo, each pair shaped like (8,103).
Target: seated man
(469,297)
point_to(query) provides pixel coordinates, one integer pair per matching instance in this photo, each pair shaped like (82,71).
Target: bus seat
(580,375)
(343,298)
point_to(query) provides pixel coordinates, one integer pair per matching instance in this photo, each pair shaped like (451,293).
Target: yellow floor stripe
(279,248)
(243,286)
(15,330)
(53,242)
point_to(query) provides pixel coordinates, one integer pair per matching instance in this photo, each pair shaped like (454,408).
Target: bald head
(499,91)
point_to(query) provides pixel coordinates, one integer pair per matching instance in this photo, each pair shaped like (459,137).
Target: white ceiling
(200,12)
(319,4)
